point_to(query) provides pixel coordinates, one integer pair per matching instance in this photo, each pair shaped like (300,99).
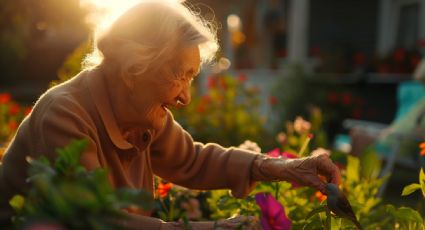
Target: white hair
(151,34)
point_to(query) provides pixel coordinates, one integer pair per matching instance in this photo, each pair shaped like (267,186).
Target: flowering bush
(11,115)
(228,113)
(173,202)
(305,208)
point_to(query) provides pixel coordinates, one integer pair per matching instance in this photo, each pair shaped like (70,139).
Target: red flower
(27,111)
(359,59)
(315,51)
(5,98)
(347,98)
(332,97)
(211,82)
(242,78)
(414,61)
(223,83)
(422,147)
(163,189)
(399,55)
(320,196)
(14,109)
(273,100)
(356,113)
(12,125)
(201,108)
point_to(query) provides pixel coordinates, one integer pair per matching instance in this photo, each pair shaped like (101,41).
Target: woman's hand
(247,222)
(304,171)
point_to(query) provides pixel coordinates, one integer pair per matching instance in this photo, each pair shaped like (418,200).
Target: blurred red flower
(5,98)
(359,59)
(347,98)
(242,78)
(273,100)
(332,97)
(27,111)
(211,82)
(399,55)
(14,109)
(13,125)
(163,189)
(320,196)
(422,147)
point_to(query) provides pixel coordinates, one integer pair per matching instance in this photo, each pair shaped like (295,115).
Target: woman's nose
(184,97)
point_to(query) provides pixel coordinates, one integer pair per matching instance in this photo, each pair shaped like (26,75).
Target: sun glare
(103,12)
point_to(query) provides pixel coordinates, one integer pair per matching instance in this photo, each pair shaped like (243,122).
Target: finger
(320,152)
(315,182)
(327,168)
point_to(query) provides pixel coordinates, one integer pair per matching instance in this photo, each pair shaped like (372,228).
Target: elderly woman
(149,57)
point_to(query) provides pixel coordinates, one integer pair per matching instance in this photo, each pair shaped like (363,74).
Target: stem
(328,219)
(305,144)
(171,212)
(276,190)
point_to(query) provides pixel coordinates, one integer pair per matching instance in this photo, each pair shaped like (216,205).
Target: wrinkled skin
(304,171)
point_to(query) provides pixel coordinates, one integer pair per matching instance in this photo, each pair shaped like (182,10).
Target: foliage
(228,113)
(297,91)
(72,65)
(306,208)
(65,193)
(416,186)
(173,202)
(11,115)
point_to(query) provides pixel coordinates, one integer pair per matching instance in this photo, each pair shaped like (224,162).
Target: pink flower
(273,215)
(192,209)
(301,126)
(276,153)
(281,138)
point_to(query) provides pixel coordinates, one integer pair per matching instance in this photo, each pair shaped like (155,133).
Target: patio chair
(409,94)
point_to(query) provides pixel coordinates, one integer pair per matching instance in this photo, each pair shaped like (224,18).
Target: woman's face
(169,87)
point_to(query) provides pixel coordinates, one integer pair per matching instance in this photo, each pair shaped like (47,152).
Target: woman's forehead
(190,58)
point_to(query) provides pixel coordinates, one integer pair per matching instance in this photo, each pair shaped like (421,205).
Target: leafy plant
(64,192)
(416,186)
(306,208)
(228,113)
(11,115)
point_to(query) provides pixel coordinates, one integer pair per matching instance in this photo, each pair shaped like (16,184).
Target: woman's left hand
(304,171)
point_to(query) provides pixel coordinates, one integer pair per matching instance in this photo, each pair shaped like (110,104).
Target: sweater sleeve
(177,158)
(63,121)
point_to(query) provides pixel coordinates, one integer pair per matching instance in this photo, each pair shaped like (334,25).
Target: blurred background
(348,60)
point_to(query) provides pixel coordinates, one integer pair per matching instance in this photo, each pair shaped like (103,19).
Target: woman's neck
(120,98)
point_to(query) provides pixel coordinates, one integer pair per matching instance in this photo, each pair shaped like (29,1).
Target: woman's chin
(158,123)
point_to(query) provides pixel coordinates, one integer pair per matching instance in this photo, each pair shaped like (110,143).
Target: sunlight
(104,12)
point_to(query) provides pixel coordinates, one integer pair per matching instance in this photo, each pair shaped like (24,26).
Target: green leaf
(69,156)
(353,166)
(370,164)
(422,181)
(408,214)
(17,202)
(140,198)
(316,211)
(410,189)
